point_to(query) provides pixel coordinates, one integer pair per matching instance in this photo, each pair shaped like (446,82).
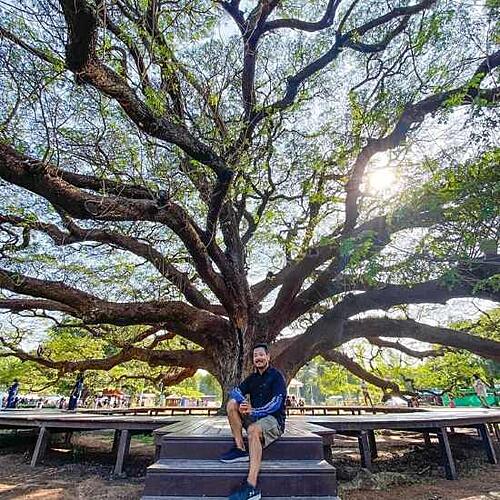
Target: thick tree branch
(289,306)
(181,358)
(429,353)
(342,40)
(81,59)
(356,369)
(77,234)
(48,182)
(172,377)
(431,292)
(328,331)
(297,24)
(19,305)
(198,326)
(385,327)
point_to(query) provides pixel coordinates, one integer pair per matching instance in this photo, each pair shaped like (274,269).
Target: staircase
(187,466)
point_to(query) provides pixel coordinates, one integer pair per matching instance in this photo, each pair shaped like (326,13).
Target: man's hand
(245,408)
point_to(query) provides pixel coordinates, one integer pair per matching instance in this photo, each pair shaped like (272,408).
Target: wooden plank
(41,446)
(449,463)
(273,466)
(168,497)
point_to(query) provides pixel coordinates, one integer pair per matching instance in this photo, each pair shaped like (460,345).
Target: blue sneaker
(246,492)
(234,455)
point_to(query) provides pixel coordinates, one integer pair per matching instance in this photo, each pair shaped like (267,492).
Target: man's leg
(483,401)
(255,450)
(235,423)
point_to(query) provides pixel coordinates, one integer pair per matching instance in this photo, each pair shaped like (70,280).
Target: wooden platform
(214,434)
(49,422)
(431,422)
(186,452)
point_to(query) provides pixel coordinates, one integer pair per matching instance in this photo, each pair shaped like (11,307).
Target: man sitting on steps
(263,417)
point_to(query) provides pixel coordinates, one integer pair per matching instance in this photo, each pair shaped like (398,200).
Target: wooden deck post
(123,449)
(488,445)
(116,440)
(373,444)
(427,439)
(41,445)
(449,463)
(67,438)
(364,450)
(496,430)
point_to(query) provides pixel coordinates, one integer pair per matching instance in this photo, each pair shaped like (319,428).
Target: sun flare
(381,179)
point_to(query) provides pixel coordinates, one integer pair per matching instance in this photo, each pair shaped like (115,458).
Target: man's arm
(279,395)
(238,393)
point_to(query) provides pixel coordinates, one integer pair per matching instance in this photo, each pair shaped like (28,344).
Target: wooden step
(149,497)
(211,478)
(211,447)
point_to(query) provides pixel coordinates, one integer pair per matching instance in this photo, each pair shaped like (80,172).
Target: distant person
(294,401)
(366,394)
(288,402)
(409,384)
(480,389)
(12,398)
(386,397)
(302,403)
(76,393)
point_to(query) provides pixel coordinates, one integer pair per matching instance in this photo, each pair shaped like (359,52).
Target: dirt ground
(405,469)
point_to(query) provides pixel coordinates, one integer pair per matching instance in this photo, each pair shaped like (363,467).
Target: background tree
(209,170)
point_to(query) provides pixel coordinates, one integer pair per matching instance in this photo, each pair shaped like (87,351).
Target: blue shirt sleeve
(239,393)
(276,402)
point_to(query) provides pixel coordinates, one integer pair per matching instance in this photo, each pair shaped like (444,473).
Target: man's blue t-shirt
(267,394)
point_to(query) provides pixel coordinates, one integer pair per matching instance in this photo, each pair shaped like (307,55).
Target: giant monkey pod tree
(185,178)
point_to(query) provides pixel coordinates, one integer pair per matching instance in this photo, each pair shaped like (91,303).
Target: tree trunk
(232,362)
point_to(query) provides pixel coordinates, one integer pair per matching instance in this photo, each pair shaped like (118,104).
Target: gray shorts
(269,426)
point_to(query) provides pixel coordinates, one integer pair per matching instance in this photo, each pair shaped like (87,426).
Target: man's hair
(262,345)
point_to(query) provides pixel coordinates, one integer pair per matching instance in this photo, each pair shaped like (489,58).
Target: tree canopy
(183,179)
